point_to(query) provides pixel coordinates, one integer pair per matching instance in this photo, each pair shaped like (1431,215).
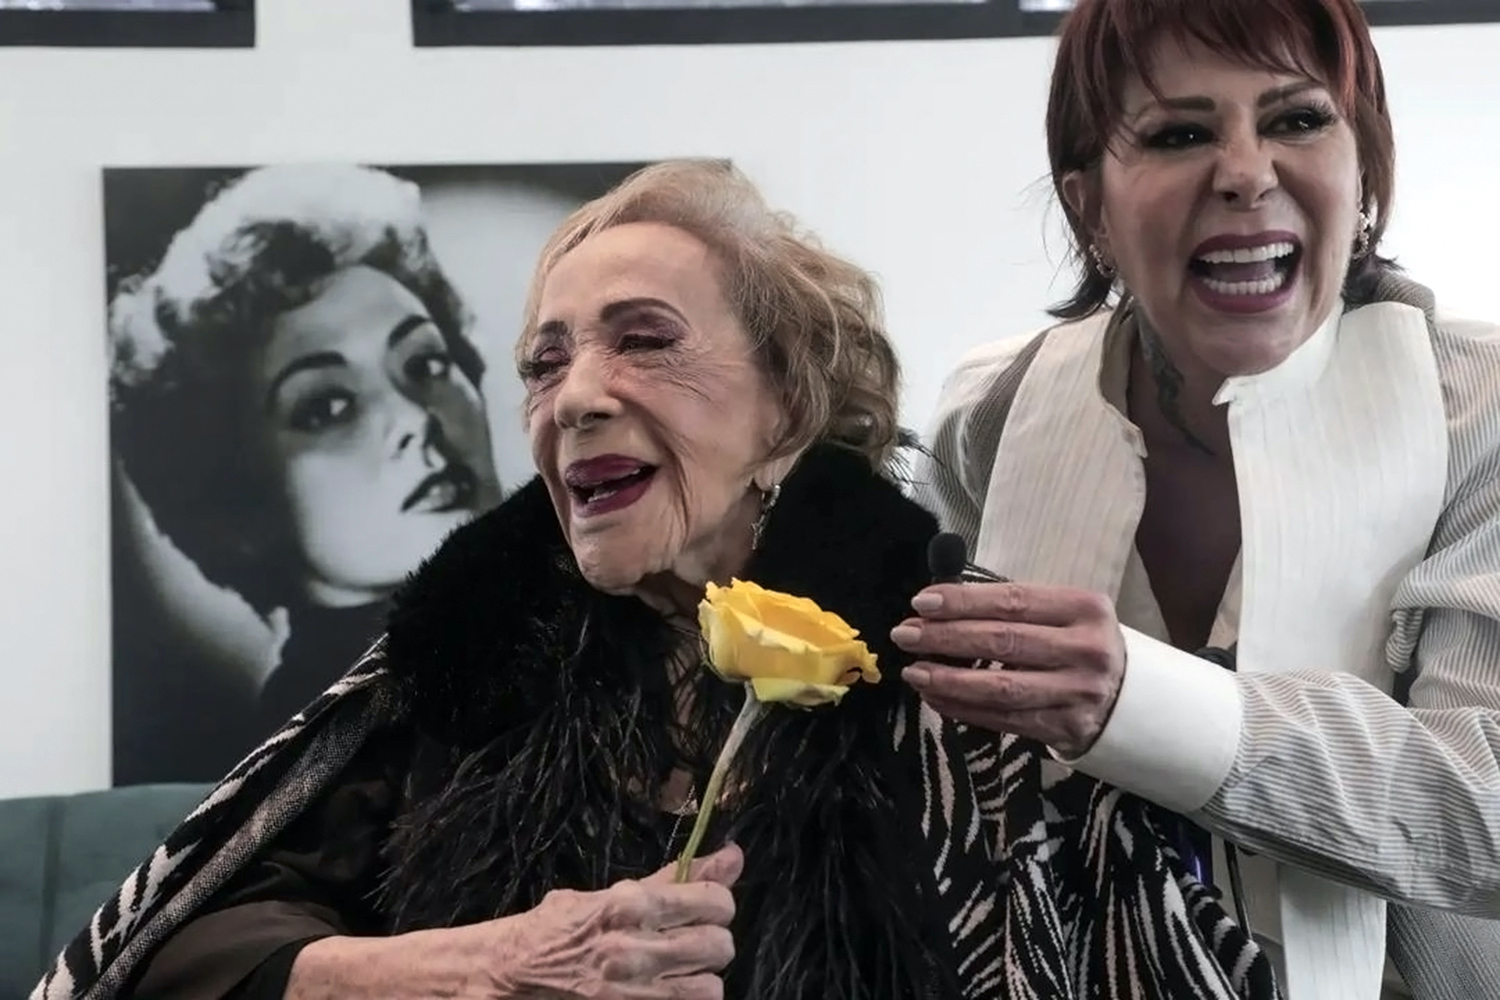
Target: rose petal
(861,659)
(803,618)
(758,634)
(726,638)
(739,595)
(821,631)
(786,612)
(772,653)
(768,652)
(778,689)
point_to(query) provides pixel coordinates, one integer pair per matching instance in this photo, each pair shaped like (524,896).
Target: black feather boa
(546,715)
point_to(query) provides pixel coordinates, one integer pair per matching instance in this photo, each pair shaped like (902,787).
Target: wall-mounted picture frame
(1392,13)
(148,24)
(708,22)
(311,382)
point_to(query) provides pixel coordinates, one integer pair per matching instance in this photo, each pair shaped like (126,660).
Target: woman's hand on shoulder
(651,939)
(1053,659)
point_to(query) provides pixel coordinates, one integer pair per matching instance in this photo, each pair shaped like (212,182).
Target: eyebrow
(1275,95)
(556,329)
(407,326)
(333,359)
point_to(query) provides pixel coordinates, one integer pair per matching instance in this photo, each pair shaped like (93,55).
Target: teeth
(588,495)
(1249,255)
(1264,286)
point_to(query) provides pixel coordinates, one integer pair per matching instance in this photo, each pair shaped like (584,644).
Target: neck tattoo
(1169,388)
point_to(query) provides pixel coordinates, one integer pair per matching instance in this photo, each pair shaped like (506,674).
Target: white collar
(1301,369)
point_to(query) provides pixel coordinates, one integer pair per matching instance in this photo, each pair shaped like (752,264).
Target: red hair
(1104,43)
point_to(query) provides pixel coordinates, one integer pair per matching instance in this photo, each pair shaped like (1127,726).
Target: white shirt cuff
(1174,730)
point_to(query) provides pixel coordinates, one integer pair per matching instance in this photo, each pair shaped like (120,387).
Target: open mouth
(450,488)
(1248,272)
(600,485)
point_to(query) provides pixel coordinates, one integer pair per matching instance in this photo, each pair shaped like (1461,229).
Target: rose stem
(749,713)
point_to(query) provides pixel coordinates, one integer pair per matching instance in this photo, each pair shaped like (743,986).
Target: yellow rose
(788,648)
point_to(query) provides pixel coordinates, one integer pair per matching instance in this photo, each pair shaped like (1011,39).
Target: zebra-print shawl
(1041,884)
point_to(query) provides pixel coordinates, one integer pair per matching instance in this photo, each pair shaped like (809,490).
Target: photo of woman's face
(377,440)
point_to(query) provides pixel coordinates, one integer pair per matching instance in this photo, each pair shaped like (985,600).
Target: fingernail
(917,677)
(904,635)
(927,601)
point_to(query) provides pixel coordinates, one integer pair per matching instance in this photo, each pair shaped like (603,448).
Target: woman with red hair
(1249,437)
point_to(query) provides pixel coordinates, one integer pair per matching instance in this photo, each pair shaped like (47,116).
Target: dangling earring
(768,500)
(1362,236)
(1101,264)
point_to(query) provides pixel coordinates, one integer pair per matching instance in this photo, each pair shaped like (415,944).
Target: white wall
(921,160)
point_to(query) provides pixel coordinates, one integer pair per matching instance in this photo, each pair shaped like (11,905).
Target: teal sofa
(61,856)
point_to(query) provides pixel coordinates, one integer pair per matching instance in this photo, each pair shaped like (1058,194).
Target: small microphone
(947,557)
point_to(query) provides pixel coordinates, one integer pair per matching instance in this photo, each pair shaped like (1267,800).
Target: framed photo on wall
(311,383)
(707,22)
(1391,13)
(128,23)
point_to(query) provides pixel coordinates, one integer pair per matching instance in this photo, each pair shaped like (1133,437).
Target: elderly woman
(291,380)
(1249,432)
(486,806)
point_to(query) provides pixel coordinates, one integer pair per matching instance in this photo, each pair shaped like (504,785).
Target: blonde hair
(815,319)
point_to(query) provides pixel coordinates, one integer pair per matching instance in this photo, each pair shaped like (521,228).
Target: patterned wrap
(1051,886)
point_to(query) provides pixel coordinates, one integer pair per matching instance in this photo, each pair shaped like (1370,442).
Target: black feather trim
(546,712)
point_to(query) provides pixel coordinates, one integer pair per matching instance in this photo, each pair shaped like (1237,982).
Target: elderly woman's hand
(637,940)
(651,939)
(1055,658)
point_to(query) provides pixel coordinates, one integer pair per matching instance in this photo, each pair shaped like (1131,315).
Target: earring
(1362,236)
(768,500)
(1101,264)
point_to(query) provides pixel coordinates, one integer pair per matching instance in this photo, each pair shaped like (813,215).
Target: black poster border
(232,26)
(436,23)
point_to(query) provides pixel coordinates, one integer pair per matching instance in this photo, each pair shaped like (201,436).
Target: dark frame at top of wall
(231,26)
(435,23)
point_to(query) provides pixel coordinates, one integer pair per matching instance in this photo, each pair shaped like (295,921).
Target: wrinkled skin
(639,355)
(651,939)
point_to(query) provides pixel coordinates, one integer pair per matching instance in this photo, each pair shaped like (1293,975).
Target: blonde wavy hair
(815,319)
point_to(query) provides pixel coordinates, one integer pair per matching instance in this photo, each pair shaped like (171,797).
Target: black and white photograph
(128,23)
(311,383)
(705,22)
